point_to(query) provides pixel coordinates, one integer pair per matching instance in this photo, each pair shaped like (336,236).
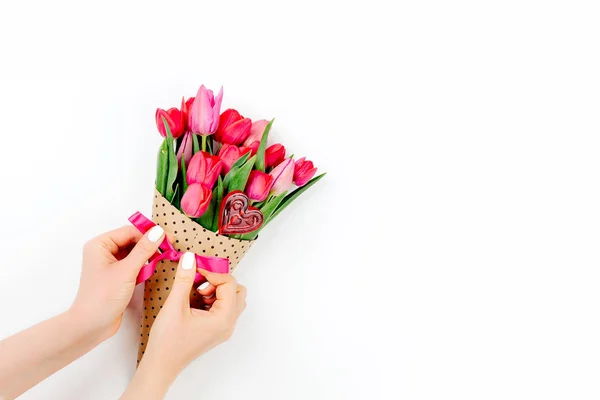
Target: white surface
(479,281)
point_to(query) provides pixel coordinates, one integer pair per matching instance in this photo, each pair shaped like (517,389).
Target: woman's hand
(180,333)
(111,263)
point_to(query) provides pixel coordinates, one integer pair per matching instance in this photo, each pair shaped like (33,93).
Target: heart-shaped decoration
(237,216)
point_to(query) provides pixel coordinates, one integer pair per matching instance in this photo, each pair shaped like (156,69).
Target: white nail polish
(209,297)
(203,286)
(155,233)
(188,261)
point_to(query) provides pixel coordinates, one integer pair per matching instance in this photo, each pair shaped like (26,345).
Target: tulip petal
(196,200)
(283,174)
(216,109)
(260,162)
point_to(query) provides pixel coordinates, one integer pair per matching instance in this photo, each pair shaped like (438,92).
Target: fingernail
(207,306)
(155,233)
(188,261)
(209,297)
(203,286)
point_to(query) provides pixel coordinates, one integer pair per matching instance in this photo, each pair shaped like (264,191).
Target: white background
(452,250)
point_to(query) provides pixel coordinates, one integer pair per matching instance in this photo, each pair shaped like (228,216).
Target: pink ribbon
(168,252)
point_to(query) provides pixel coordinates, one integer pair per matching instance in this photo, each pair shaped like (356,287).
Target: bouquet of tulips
(218,183)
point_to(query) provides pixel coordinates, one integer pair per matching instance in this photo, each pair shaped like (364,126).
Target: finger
(240,301)
(206,289)
(209,300)
(225,291)
(184,279)
(145,248)
(119,238)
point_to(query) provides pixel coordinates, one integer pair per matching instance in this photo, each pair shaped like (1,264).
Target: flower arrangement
(206,156)
(218,183)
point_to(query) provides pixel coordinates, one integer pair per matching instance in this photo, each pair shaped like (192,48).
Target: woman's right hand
(180,333)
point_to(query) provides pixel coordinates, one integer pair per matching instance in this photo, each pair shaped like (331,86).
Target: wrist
(82,324)
(151,381)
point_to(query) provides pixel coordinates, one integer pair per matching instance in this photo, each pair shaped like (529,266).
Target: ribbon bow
(168,252)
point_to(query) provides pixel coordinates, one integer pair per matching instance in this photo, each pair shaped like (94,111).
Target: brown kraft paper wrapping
(189,236)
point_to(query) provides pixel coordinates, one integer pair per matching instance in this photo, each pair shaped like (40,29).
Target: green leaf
(176,200)
(267,210)
(234,168)
(172,174)
(209,145)
(183,174)
(240,161)
(292,196)
(218,199)
(260,154)
(162,168)
(195,144)
(239,179)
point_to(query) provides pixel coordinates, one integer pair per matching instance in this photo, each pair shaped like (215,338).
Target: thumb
(184,279)
(144,249)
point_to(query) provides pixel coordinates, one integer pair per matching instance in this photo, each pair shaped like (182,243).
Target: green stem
(203,143)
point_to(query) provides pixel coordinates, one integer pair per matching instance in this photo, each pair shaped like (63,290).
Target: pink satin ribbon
(168,252)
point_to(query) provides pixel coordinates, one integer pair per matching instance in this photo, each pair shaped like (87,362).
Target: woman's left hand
(111,263)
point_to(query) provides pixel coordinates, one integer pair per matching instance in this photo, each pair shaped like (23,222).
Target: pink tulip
(174,120)
(196,200)
(228,155)
(185,149)
(256,132)
(233,127)
(282,176)
(303,171)
(274,154)
(259,185)
(204,169)
(204,114)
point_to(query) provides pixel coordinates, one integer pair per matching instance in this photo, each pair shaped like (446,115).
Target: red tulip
(256,132)
(253,148)
(233,128)
(303,171)
(204,169)
(274,154)
(174,120)
(204,112)
(228,155)
(196,200)
(259,185)
(186,106)
(282,176)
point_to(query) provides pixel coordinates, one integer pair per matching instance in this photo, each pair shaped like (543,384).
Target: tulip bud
(274,154)
(228,155)
(258,186)
(186,106)
(204,169)
(174,120)
(185,148)
(282,176)
(256,132)
(303,171)
(196,200)
(233,128)
(204,113)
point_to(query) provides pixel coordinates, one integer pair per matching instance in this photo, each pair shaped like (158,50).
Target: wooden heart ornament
(237,216)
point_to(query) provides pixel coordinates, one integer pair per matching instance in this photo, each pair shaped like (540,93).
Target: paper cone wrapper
(189,236)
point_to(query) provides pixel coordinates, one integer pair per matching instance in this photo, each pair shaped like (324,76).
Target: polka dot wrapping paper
(189,236)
